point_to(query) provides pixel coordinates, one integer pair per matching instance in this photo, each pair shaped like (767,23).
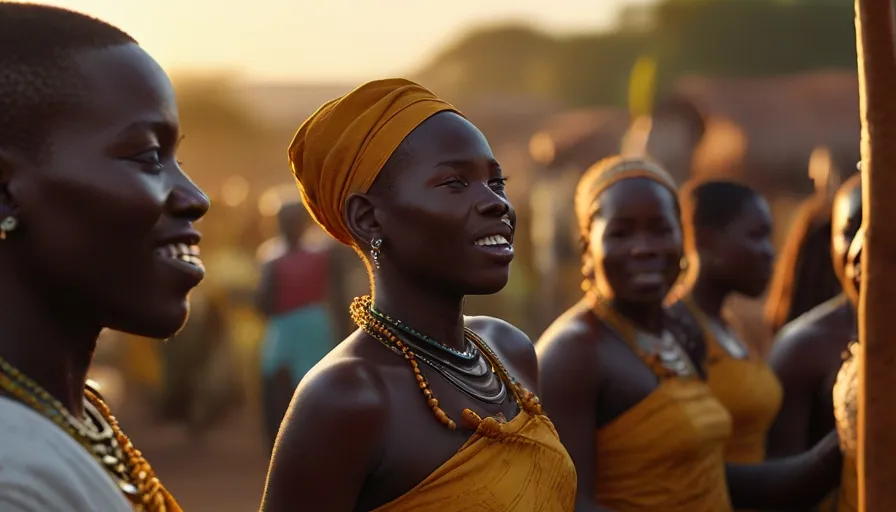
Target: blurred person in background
(631,404)
(808,352)
(198,387)
(96,231)
(300,283)
(804,275)
(727,237)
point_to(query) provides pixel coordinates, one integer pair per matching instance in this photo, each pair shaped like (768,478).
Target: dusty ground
(223,472)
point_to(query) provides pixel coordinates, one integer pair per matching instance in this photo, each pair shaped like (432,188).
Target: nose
(492,204)
(769,253)
(644,245)
(187,201)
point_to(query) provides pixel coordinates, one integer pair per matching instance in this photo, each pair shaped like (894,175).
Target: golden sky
(323,40)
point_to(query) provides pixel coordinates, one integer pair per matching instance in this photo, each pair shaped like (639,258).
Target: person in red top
(294,293)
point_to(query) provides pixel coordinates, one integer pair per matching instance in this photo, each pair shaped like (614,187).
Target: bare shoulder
(342,390)
(817,337)
(332,435)
(570,338)
(511,343)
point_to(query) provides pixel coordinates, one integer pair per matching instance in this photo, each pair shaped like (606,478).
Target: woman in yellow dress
(632,408)
(727,231)
(422,408)
(96,231)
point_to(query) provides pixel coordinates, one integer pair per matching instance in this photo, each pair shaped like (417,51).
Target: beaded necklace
(667,360)
(719,336)
(100,434)
(364,318)
(468,354)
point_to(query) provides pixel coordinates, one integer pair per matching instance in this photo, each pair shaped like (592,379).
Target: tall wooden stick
(877,380)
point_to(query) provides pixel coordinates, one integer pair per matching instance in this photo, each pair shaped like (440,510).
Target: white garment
(43,469)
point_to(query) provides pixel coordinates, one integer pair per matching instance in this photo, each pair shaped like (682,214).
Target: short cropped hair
(39,80)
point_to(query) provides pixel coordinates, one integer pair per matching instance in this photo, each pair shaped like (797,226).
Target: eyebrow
(466,163)
(153,125)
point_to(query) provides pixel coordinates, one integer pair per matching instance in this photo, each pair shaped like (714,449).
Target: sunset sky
(323,40)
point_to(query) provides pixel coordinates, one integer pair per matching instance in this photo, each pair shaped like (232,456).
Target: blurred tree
(709,37)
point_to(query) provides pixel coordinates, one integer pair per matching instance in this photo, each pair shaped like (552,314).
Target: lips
(182,254)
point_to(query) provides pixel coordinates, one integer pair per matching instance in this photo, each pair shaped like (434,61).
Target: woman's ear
(360,216)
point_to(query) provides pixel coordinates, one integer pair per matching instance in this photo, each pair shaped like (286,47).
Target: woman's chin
(158,323)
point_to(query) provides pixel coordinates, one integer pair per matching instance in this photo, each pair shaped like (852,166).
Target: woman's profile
(96,231)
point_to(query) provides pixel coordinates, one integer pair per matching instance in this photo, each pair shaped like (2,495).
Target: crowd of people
(640,397)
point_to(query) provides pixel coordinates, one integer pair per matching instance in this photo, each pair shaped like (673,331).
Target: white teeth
(492,240)
(182,252)
(648,278)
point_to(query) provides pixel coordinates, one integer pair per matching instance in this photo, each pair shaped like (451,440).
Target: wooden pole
(877,379)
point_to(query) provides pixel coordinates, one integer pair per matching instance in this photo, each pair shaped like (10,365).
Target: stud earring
(683,264)
(375,245)
(9,221)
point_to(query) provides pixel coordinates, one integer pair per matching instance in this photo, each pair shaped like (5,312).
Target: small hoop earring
(9,223)
(375,245)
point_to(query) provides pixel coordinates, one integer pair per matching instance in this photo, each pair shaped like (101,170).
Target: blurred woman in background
(630,403)
(727,232)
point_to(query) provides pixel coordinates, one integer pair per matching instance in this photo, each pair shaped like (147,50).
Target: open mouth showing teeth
(492,240)
(182,252)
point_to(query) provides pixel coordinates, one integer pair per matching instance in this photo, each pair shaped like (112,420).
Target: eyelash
(501,182)
(153,159)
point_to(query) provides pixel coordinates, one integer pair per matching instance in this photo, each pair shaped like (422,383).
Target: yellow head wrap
(342,147)
(605,173)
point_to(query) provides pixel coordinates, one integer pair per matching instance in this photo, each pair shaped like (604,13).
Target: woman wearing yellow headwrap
(630,403)
(421,408)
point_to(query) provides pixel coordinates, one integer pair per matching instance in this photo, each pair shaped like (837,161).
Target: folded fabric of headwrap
(341,148)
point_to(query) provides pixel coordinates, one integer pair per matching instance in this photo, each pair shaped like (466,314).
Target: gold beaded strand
(134,475)
(363,318)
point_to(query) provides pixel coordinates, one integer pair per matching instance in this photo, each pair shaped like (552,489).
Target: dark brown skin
(359,415)
(808,352)
(737,259)
(92,212)
(590,377)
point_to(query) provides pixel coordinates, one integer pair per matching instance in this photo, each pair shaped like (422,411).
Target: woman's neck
(649,318)
(439,316)
(43,345)
(709,297)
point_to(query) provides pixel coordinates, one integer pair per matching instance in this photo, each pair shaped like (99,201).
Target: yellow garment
(665,453)
(518,466)
(747,388)
(846,403)
(605,173)
(342,147)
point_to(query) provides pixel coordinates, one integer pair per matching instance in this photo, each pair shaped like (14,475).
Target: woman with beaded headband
(421,409)
(96,232)
(629,401)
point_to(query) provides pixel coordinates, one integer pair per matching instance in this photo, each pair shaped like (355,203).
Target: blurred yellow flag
(641,87)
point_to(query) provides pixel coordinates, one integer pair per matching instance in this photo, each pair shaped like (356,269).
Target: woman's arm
(798,481)
(329,439)
(791,361)
(570,387)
